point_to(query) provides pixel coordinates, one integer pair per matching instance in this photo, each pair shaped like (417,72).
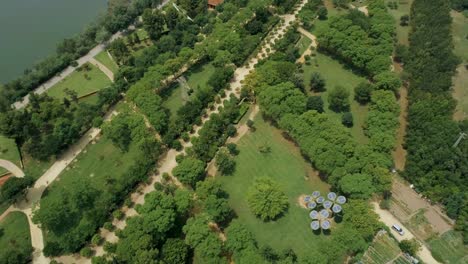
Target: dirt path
(313,44)
(103,68)
(361,8)
(69,70)
(11,167)
(388,219)
(399,153)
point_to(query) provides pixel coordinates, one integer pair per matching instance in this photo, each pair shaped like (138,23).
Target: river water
(31,29)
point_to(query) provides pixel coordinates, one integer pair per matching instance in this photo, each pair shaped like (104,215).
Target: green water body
(31,29)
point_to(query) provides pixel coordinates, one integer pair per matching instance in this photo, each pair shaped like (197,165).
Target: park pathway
(388,219)
(11,167)
(313,44)
(70,69)
(103,68)
(168,162)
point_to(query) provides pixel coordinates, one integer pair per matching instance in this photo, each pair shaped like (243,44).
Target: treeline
(119,16)
(434,165)
(365,43)
(71,216)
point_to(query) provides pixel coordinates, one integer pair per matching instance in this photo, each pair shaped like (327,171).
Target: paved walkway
(11,167)
(69,70)
(388,219)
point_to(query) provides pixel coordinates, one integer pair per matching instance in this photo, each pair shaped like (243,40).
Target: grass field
(177,96)
(104,58)
(8,151)
(382,250)
(404,7)
(285,165)
(335,74)
(15,235)
(78,82)
(303,44)
(449,248)
(460,81)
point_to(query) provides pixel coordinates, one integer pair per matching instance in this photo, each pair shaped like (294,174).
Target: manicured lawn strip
(286,166)
(335,74)
(16,236)
(449,248)
(104,58)
(99,164)
(8,151)
(303,44)
(77,82)
(403,9)
(200,75)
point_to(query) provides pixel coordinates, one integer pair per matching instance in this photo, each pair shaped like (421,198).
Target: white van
(398,229)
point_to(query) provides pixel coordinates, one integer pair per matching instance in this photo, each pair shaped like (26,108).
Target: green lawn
(303,44)
(335,74)
(449,248)
(286,166)
(15,237)
(82,85)
(404,7)
(8,151)
(176,96)
(460,33)
(382,250)
(105,59)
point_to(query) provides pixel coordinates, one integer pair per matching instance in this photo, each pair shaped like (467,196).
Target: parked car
(398,229)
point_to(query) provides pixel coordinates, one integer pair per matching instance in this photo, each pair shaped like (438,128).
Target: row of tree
(434,164)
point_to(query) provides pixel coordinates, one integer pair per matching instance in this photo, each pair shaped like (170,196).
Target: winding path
(11,167)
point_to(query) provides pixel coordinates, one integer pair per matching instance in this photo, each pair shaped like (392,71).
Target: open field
(8,151)
(285,165)
(335,74)
(82,82)
(104,58)
(382,250)
(177,95)
(15,235)
(460,80)
(449,248)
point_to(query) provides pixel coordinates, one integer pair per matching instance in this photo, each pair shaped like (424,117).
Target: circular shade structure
(316,194)
(307,198)
(325,224)
(331,196)
(327,204)
(341,199)
(320,200)
(311,205)
(315,225)
(314,214)
(336,208)
(324,213)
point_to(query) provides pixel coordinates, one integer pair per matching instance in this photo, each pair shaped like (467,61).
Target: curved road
(11,167)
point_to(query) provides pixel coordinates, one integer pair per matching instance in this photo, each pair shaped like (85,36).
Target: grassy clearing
(177,95)
(16,235)
(285,165)
(105,59)
(303,44)
(404,7)
(335,74)
(8,151)
(460,91)
(449,248)
(383,250)
(82,82)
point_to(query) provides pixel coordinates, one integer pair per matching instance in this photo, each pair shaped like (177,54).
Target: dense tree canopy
(266,200)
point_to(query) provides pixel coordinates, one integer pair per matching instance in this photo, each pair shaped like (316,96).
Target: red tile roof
(215,2)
